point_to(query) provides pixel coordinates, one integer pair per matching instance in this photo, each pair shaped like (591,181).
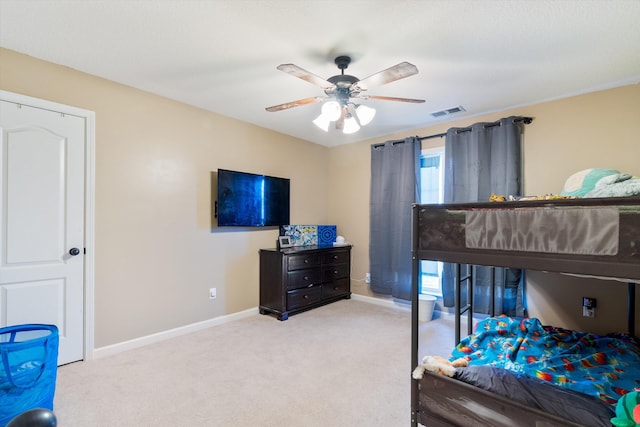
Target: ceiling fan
(343,90)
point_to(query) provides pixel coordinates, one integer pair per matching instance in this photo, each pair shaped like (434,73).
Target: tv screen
(251,200)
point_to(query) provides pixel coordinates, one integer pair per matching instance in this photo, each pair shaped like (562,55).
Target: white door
(42,171)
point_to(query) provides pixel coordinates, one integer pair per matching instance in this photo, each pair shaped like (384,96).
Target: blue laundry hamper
(28,368)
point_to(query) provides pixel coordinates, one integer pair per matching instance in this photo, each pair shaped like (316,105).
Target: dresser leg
(283,316)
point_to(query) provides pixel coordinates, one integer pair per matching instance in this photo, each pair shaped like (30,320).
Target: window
(432,186)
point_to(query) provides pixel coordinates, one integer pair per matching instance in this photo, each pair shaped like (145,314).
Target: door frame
(89,203)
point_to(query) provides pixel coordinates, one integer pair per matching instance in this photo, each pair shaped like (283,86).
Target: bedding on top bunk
(606,367)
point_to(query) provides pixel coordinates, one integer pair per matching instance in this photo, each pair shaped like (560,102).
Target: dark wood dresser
(301,278)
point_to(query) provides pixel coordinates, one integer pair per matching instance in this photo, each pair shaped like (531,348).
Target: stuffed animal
(439,365)
(628,410)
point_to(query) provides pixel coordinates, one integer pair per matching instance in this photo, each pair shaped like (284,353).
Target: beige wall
(566,136)
(156,255)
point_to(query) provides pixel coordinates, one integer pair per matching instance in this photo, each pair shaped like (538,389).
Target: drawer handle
(306,261)
(335,257)
(306,297)
(306,278)
(335,271)
(335,288)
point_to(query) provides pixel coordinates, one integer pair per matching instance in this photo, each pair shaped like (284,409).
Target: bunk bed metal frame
(440,236)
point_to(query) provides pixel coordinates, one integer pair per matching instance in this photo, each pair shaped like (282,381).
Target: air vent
(448,111)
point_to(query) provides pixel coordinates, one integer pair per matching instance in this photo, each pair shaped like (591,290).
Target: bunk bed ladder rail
(459,310)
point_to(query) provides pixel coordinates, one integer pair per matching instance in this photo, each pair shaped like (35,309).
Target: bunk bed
(597,237)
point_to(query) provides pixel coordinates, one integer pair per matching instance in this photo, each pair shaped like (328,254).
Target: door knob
(74,251)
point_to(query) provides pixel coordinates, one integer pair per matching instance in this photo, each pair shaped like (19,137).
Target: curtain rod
(526,120)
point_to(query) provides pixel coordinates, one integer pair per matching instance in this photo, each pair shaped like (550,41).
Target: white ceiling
(221,55)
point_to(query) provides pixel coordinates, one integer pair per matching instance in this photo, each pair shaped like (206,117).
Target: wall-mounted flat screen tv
(251,200)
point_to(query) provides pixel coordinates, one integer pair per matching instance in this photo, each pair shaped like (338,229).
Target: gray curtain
(483,159)
(395,186)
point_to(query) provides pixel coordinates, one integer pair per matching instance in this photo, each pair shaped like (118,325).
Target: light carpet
(343,364)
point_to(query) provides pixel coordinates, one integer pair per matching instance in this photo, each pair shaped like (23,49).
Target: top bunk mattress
(596,237)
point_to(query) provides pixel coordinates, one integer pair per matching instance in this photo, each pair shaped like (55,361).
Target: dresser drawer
(334,272)
(335,257)
(296,262)
(303,278)
(303,297)
(337,288)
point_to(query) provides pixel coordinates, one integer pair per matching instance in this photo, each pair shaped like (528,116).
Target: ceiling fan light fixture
(341,89)
(331,110)
(365,114)
(350,124)
(322,122)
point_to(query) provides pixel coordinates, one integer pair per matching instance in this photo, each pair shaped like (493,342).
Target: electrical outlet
(367,278)
(212,293)
(588,307)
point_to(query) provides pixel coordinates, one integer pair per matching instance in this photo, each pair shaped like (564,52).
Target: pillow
(580,183)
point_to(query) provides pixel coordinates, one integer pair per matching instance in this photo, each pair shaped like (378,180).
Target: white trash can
(425,307)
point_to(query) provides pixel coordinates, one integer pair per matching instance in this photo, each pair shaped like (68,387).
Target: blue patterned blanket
(605,366)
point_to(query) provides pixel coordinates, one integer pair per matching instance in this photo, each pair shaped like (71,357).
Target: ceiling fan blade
(292,104)
(303,74)
(340,121)
(397,72)
(391,98)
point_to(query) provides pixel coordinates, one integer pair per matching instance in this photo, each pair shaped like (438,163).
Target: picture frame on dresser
(284,241)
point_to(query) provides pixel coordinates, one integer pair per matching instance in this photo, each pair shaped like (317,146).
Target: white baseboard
(386,302)
(110,350)
(171,333)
